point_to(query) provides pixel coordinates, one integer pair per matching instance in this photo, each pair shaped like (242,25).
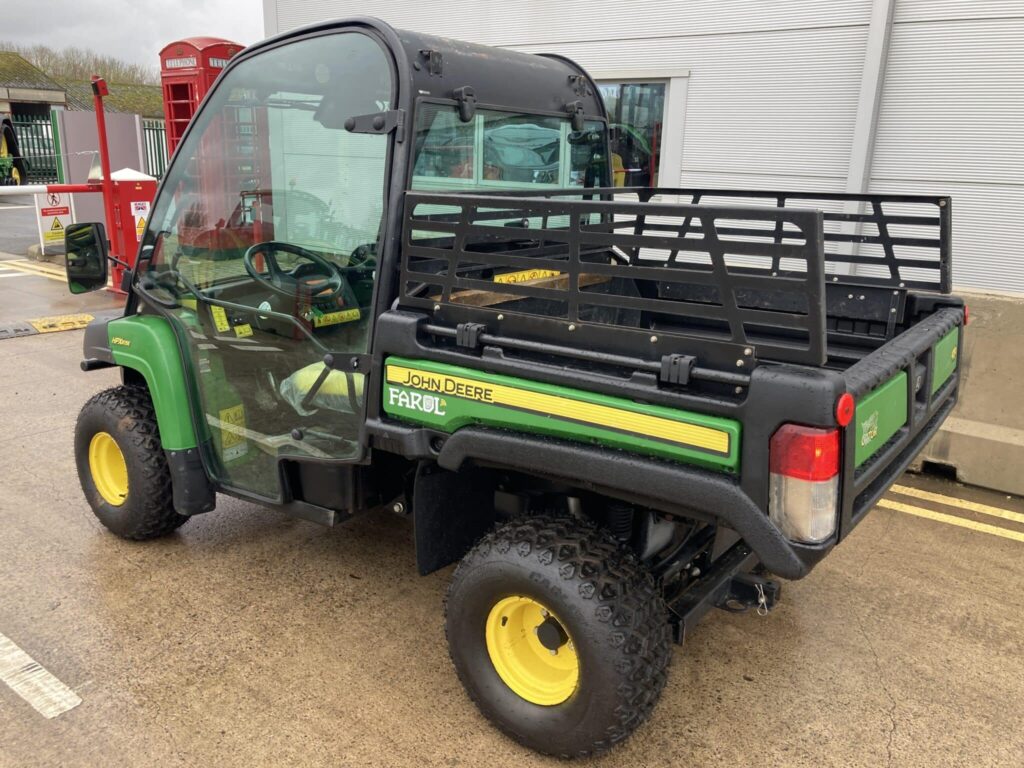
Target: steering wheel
(363,258)
(289,284)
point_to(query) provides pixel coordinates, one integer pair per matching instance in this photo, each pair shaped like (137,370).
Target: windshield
(269,159)
(505,150)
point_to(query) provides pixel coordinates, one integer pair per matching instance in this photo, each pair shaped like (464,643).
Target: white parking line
(24,675)
(14,274)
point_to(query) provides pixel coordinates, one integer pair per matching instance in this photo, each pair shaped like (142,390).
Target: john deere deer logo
(869,429)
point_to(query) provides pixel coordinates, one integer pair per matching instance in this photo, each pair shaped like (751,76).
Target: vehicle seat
(340,391)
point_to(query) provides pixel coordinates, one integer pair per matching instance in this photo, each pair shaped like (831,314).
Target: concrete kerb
(984,437)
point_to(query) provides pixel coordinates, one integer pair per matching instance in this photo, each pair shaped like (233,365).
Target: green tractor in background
(13,169)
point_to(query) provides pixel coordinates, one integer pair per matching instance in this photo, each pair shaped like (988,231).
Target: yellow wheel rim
(108,469)
(531,651)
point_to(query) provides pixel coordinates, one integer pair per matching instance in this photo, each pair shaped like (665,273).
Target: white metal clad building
(915,96)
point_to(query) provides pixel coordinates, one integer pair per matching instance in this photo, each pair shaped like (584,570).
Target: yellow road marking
(34,268)
(972,506)
(60,323)
(941,517)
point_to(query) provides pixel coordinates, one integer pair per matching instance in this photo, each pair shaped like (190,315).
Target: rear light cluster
(804,485)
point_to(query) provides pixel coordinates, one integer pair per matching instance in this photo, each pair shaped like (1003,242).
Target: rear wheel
(122,467)
(559,635)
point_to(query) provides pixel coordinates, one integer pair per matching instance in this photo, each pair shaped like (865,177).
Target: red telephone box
(187,70)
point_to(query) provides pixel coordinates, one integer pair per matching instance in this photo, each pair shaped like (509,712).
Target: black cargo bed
(710,280)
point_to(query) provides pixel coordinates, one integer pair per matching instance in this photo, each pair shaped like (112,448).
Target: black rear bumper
(662,485)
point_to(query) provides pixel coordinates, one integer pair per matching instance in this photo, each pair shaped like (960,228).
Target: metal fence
(154,136)
(39,148)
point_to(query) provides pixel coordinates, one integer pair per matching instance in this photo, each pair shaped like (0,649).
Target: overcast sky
(136,30)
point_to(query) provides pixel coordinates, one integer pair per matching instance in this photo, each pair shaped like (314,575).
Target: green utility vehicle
(390,271)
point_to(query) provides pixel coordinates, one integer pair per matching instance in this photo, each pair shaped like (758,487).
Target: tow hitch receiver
(729,585)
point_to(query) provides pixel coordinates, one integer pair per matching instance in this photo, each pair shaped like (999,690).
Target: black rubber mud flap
(451,510)
(192,490)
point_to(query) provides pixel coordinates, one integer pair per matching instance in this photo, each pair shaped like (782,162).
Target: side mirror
(85,246)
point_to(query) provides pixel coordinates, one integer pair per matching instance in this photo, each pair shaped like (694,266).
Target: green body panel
(879,415)
(945,357)
(529,406)
(146,343)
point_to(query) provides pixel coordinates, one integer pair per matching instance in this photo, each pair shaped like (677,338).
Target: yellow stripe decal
(961,522)
(971,506)
(538,402)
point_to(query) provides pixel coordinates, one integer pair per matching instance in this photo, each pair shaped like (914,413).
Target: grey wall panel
(952,122)
(988,230)
(766,181)
(953,103)
(80,145)
(934,10)
(543,21)
(775,104)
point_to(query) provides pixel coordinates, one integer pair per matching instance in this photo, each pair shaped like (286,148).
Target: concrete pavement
(251,639)
(34,298)
(18,227)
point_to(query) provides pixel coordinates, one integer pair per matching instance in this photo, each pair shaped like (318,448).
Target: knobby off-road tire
(606,609)
(126,415)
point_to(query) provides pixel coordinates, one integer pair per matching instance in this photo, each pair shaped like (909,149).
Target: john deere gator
(389,271)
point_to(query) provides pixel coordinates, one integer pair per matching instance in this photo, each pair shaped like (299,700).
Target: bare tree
(81,63)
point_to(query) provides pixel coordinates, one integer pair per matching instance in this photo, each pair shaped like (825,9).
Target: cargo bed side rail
(931,392)
(643,279)
(890,240)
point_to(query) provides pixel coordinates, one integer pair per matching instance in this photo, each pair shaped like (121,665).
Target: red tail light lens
(803,492)
(967,315)
(805,453)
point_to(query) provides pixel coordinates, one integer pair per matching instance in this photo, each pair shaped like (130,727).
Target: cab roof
(436,67)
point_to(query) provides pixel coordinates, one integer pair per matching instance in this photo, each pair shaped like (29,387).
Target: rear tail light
(804,486)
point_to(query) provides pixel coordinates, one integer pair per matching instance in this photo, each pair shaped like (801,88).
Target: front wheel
(559,635)
(122,467)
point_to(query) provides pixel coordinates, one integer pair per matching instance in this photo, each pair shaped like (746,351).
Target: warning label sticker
(232,435)
(53,211)
(140,214)
(220,319)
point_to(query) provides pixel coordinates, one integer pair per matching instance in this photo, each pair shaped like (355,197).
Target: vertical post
(99,90)
(55,130)
(140,146)
(862,150)
(39,225)
(872,78)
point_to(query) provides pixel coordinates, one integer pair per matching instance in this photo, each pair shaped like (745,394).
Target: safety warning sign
(140,214)
(53,214)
